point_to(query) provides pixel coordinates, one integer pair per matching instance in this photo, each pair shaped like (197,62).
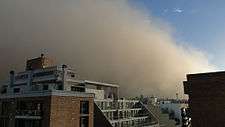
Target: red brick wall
(65,111)
(58,111)
(207,99)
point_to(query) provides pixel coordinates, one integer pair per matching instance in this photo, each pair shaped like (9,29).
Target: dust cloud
(104,40)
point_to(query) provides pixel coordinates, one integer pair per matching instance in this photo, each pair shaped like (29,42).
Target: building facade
(45,95)
(47,109)
(206,99)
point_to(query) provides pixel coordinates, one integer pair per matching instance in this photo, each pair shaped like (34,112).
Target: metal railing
(28,113)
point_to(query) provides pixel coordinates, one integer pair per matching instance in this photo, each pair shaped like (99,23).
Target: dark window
(81,84)
(29,108)
(60,87)
(18,77)
(4,122)
(78,89)
(27,123)
(84,107)
(84,121)
(16,90)
(71,74)
(43,73)
(4,90)
(45,87)
(5,108)
(20,84)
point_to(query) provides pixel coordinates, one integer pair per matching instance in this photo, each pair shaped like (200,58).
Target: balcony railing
(28,113)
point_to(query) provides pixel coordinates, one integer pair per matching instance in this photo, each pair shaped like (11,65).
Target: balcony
(28,114)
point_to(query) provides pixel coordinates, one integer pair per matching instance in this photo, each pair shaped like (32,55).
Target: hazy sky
(146,47)
(199,23)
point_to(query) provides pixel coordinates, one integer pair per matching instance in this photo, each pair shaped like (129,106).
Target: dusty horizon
(109,41)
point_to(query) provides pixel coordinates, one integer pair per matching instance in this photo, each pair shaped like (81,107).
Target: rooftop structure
(42,80)
(39,63)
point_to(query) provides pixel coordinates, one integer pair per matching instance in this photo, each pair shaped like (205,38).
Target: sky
(197,23)
(114,41)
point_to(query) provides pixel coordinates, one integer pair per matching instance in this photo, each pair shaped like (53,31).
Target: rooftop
(47,93)
(100,83)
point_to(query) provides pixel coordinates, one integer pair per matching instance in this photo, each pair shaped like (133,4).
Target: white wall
(99,94)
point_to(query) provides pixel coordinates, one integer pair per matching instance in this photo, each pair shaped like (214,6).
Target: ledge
(47,93)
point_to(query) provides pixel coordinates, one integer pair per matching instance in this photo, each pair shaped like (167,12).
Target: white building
(42,75)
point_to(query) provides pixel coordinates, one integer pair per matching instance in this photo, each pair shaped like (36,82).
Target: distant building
(173,108)
(206,99)
(45,95)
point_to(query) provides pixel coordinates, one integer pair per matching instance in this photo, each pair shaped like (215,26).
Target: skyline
(112,63)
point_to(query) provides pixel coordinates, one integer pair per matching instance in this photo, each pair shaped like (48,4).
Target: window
(43,73)
(20,84)
(27,123)
(4,122)
(5,108)
(4,90)
(16,90)
(72,75)
(29,108)
(78,89)
(45,87)
(60,87)
(84,107)
(18,77)
(84,121)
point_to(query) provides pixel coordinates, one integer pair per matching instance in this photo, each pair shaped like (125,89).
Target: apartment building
(45,95)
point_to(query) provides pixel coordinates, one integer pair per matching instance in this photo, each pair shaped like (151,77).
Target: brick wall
(207,99)
(58,111)
(65,111)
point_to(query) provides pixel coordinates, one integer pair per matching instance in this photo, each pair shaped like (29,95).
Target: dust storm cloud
(105,40)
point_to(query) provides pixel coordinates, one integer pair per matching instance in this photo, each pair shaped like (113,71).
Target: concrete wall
(99,94)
